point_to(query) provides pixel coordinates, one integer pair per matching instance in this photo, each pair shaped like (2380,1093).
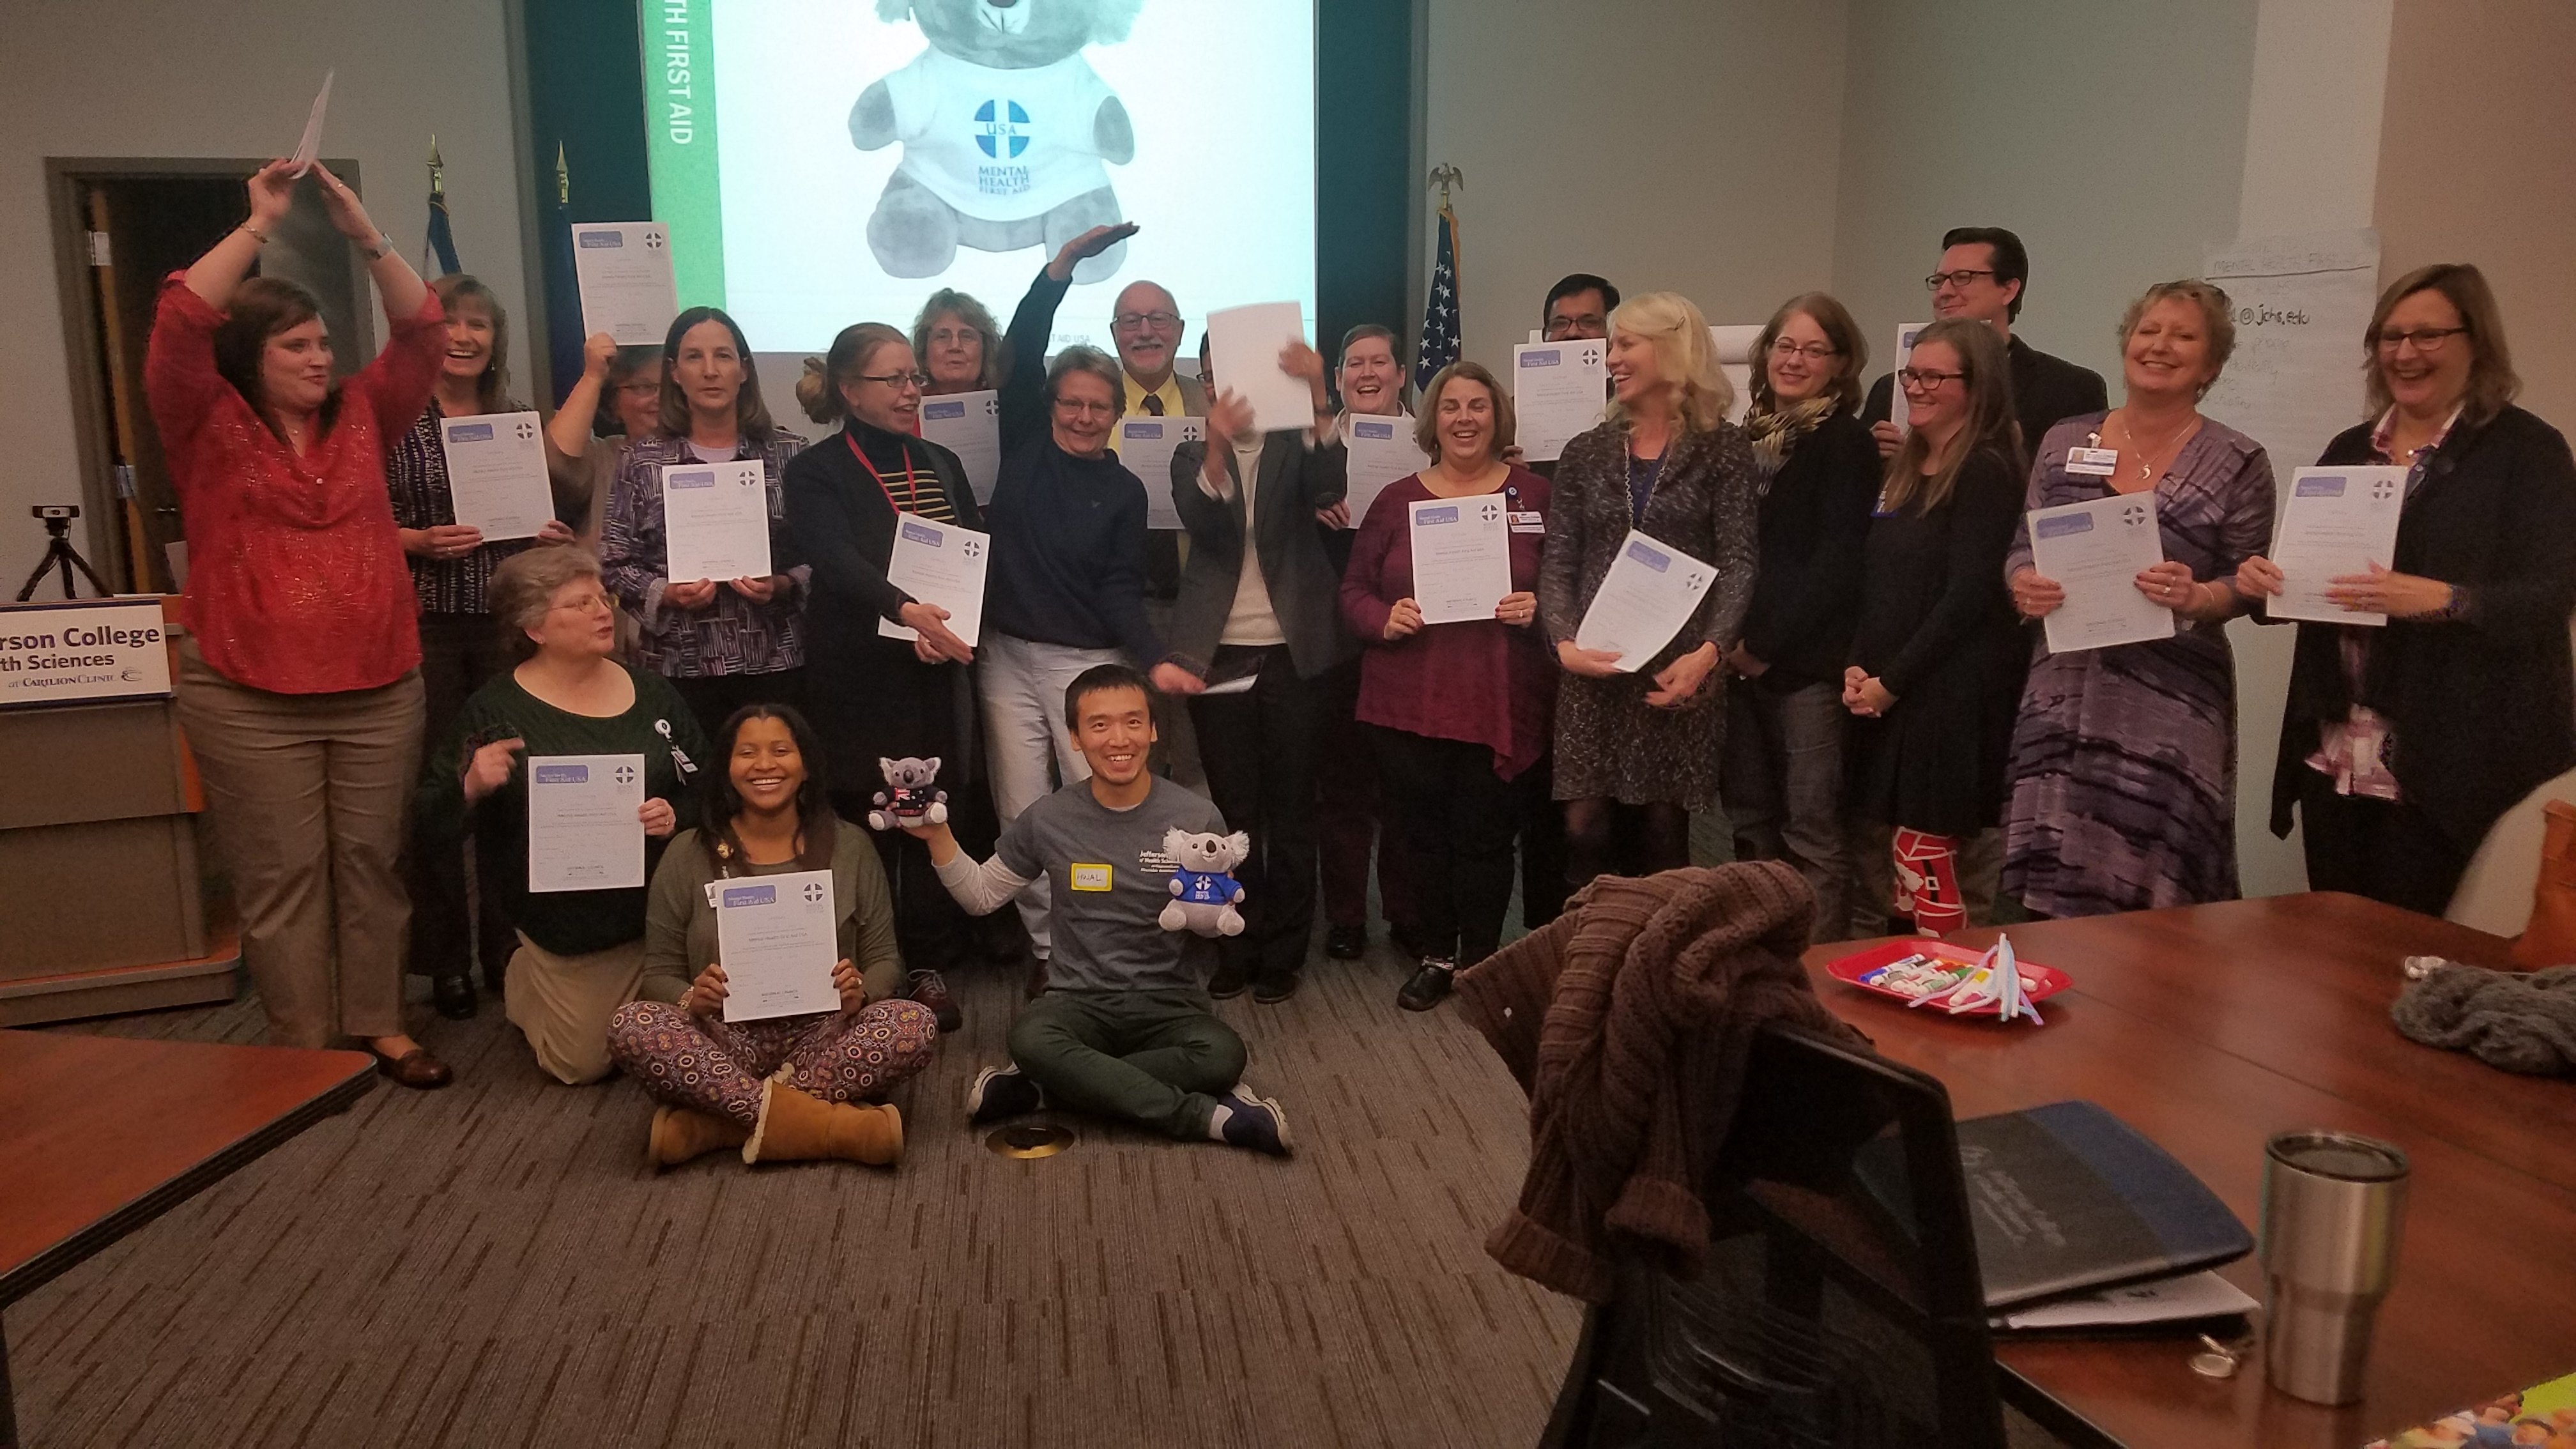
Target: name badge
(1530,522)
(2093,462)
(1090,877)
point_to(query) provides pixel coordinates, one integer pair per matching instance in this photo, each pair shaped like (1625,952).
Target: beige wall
(174,78)
(2477,163)
(1687,145)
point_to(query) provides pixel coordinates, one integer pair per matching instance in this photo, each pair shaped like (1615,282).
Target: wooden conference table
(100,1135)
(2210,1028)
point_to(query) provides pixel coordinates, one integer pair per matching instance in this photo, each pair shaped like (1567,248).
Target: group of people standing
(1860,689)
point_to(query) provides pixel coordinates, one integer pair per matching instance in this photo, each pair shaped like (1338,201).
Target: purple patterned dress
(2123,773)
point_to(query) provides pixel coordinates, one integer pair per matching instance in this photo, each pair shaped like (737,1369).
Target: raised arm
(568,432)
(272,192)
(402,287)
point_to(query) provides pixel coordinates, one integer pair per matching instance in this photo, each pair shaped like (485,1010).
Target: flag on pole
(564,333)
(1440,329)
(438,251)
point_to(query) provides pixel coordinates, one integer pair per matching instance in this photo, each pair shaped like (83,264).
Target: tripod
(59,554)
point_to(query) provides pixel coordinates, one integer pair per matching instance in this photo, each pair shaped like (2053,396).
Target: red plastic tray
(2039,982)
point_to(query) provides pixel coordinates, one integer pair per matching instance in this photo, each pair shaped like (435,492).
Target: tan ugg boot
(680,1134)
(795,1127)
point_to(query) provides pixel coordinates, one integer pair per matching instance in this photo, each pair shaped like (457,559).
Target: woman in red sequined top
(299,681)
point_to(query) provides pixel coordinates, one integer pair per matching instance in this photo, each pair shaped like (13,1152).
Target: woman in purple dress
(2123,772)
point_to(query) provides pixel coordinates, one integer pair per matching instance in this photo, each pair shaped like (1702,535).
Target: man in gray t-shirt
(1125,1027)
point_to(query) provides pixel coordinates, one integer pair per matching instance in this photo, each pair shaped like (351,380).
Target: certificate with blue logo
(2335,523)
(777,939)
(715,521)
(496,474)
(1559,390)
(968,424)
(942,564)
(1462,557)
(2095,551)
(585,822)
(1649,593)
(623,272)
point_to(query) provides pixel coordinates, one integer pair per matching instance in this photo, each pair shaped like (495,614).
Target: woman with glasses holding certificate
(1936,653)
(2402,743)
(722,642)
(1637,740)
(1458,712)
(804,1085)
(877,696)
(571,768)
(2123,772)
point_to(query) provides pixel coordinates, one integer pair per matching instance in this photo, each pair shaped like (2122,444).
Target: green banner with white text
(678,45)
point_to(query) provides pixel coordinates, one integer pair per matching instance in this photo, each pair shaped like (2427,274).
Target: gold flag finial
(563,178)
(1446,176)
(437,168)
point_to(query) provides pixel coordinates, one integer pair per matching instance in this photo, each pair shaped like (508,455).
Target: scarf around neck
(1775,433)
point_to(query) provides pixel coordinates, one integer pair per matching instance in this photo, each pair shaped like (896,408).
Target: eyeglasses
(1076,407)
(2426,339)
(1959,278)
(947,335)
(897,380)
(1923,379)
(1813,351)
(586,604)
(640,389)
(1130,321)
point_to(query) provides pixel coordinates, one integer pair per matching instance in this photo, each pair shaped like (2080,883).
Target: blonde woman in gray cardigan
(1637,746)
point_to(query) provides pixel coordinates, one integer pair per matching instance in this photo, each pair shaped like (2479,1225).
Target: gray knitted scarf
(2517,1021)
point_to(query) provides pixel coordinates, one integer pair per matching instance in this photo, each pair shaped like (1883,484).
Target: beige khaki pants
(562,1004)
(307,795)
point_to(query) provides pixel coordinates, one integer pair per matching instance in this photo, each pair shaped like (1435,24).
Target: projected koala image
(1007,132)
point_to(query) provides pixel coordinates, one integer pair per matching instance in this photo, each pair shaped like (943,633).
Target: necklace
(2147,456)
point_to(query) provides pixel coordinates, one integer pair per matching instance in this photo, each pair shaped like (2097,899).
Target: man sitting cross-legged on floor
(1124,1028)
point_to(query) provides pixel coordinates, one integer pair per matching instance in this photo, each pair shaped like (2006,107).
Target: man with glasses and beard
(1982,276)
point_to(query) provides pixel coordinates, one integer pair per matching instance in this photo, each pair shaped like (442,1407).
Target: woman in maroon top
(1459,711)
(299,681)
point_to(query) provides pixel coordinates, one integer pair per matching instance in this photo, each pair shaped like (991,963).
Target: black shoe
(1429,986)
(1272,990)
(453,996)
(1000,1092)
(930,989)
(1346,943)
(1259,1123)
(1227,981)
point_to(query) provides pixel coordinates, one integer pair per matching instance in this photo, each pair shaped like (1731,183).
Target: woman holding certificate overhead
(799,1085)
(2123,775)
(1457,711)
(878,697)
(576,768)
(694,542)
(1640,713)
(1936,654)
(2403,742)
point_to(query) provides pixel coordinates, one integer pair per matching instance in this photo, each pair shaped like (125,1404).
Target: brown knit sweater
(1627,1021)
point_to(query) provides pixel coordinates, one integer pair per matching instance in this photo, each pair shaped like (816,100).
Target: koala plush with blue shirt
(1205,893)
(1005,129)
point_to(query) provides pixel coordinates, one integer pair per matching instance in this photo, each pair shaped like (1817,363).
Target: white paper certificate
(968,424)
(1643,601)
(777,938)
(1558,389)
(2095,551)
(1244,345)
(309,149)
(624,272)
(1380,451)
(1905,335)
(1145,445)
(585,827)
(715,521)
(1462,557)
(939,563)
(496,474)
(2336,522)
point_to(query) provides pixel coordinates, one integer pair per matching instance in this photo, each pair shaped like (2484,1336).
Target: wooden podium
(100,880)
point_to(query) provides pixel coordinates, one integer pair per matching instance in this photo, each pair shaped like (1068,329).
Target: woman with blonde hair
(2123,772)
(1936,654)
(1637,741)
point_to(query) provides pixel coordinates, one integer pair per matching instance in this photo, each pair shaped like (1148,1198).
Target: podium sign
(83,652)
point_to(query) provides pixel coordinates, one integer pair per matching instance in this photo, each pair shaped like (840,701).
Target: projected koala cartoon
(1204,892)
(1004,128)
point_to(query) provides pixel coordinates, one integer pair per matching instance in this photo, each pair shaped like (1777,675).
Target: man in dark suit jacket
(1982,276)
(1259,598)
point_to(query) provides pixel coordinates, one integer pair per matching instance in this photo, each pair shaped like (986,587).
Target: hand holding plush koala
(913,802)
(1004,128)
(1204,892)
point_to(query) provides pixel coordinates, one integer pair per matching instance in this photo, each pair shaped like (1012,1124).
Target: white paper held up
(1643,601)
(496,473)
(942,564)
(1558,390)
(2335,523)
(1244,344)
(2095,551)
(968,424)
(777,937)
(715,521)
(585,827)
(309,149)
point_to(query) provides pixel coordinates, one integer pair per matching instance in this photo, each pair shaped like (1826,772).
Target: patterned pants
(717,1067)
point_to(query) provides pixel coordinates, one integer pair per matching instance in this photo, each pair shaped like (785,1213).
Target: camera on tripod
(53,511)
(59,553)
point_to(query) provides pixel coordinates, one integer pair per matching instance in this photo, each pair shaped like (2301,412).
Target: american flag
(1440,309)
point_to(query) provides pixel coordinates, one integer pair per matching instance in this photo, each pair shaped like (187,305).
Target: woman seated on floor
(581,952)
(788,1087)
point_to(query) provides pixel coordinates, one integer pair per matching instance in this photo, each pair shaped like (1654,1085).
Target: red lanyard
(911,483)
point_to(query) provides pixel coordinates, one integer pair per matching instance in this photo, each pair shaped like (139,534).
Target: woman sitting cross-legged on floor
(788,1087)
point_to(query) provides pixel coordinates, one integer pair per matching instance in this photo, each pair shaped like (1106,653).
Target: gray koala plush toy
(1204,890)
(912,802)
(1004,128)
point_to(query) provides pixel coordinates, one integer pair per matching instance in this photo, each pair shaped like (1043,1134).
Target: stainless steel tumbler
(2334,1208)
